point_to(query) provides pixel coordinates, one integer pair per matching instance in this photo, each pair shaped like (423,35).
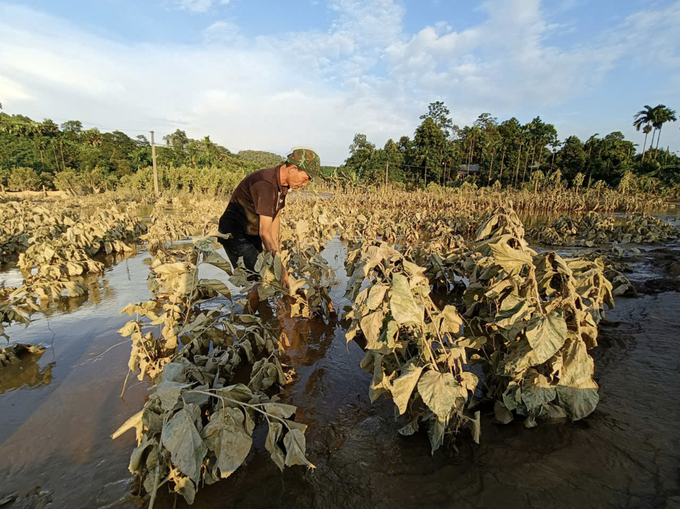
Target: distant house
(465,170)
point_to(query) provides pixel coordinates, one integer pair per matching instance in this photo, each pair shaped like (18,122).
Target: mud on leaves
(197,426)
(414,350)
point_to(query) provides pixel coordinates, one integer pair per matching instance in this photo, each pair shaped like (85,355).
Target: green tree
(441,115)
(429,143)
(571,158)
(664,115)
(261,158)
(360,159)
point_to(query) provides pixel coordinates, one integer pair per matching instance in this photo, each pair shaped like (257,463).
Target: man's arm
(276,230)
(267,234)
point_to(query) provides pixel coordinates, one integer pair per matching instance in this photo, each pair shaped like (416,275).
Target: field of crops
(460,312)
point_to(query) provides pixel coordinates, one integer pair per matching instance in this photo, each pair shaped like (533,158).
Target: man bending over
(252,216)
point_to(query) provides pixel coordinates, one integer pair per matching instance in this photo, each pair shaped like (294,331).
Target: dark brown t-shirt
(259,194)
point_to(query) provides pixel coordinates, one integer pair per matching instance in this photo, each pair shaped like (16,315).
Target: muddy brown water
(57,415)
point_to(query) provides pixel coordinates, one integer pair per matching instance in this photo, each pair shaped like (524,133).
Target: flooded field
(59,409)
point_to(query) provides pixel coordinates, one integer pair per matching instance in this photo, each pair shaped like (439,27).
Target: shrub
(23,179)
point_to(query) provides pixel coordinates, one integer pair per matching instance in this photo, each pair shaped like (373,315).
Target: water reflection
(97,286)
(25,374)
(309,339)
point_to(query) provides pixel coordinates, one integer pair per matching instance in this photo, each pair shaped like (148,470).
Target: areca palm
(644,119)
(664,115)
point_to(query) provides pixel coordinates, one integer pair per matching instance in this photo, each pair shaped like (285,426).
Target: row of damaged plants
(515,337)
(593,229)
(216,366)
(59,251)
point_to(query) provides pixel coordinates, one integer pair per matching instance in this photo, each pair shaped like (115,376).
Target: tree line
(514,154)
(35,154)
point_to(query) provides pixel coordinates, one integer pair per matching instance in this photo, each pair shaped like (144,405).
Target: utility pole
(387,173)
(155,168)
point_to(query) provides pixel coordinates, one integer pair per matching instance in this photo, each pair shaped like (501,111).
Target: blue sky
(271,74)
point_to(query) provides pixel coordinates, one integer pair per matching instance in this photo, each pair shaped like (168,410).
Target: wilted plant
(414,350)
(538,316)
(196,427)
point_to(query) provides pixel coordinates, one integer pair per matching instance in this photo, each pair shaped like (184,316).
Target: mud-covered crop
(533,318)
(414,350)
(527,319)
(458,316)
(57,249)
(197,426)
(594,229)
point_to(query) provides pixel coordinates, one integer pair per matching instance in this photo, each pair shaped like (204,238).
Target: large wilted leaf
(486,229)
(217,286)
(403,306)
(137,455)
(404,385)
(452,320)
(380,384)
(512,311)
(169,392)
(436,433)
(546,335)
(218,261)
(280,409)
(133,422)
(271,444)
(501,412)
(439,392)
(226,436)
(376,296)
(295,444)
(512,260)
(173,268)
(181,438)
(579,401)
(185,487)
(537,391)
(577,366)
(371,325)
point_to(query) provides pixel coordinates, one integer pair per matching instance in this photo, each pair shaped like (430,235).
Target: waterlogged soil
(57,415)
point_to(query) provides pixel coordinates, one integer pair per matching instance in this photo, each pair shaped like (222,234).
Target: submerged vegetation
(458,316)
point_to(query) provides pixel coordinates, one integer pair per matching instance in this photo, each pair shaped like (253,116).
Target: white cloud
(503,63)
(199,5)
(308,87)
(12,91)
(221,32)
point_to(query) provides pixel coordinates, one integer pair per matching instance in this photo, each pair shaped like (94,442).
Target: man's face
(297,178)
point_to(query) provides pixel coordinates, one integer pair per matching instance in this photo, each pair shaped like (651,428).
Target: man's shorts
(241,245)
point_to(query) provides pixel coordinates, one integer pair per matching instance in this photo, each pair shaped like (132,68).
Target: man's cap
(305,159)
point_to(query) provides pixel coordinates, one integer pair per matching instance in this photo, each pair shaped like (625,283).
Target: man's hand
(284,277)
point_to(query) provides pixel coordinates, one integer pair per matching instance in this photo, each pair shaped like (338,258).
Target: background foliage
(508,153)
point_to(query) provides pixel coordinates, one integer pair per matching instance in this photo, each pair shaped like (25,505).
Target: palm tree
(664,115)
(592,141)
(644,119)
